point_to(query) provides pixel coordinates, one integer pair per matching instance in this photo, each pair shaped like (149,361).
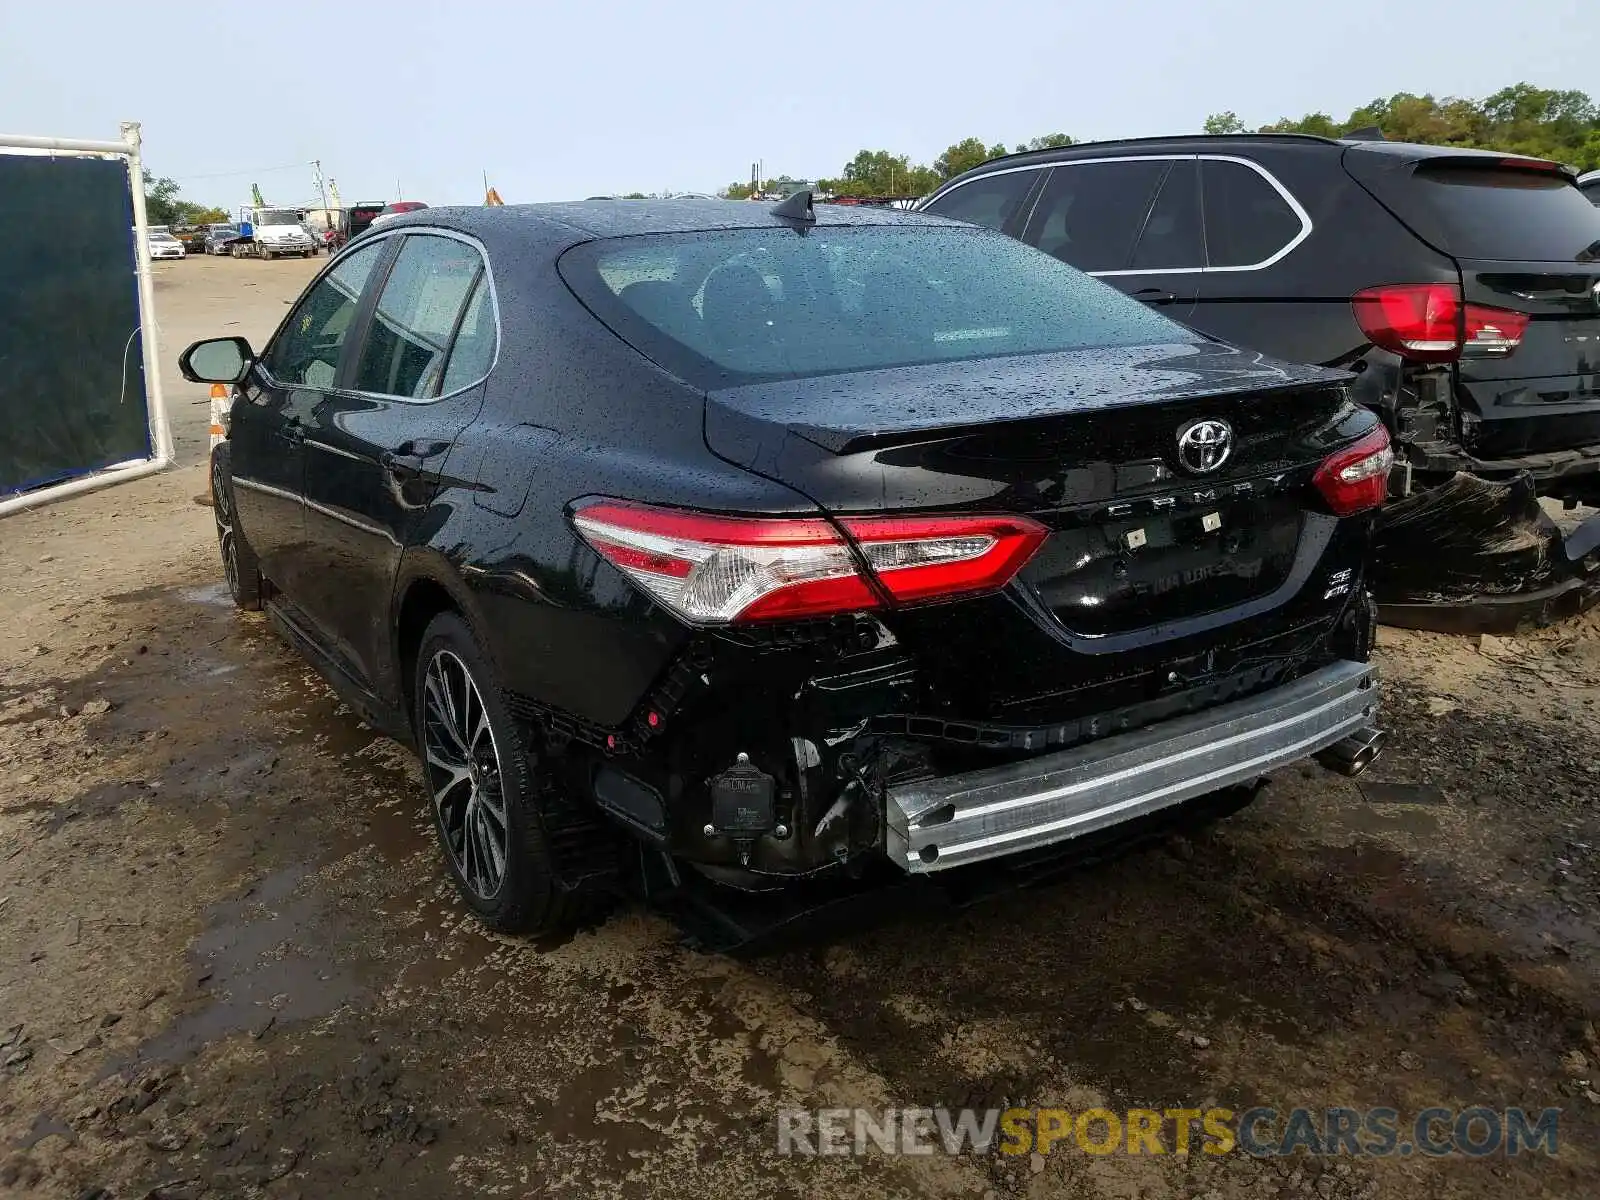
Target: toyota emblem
(1205,445)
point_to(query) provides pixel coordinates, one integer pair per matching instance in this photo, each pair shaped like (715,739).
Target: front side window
(415,318)
(738,306)
(1248,220)
(1090,213)
(989,201)
(306,352)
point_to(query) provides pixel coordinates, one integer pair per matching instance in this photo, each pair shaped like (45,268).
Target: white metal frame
(160,429)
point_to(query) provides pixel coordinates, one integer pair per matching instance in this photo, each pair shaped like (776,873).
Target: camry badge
(1204,445)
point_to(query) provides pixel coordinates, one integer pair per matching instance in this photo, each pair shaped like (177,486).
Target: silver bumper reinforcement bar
(938,823)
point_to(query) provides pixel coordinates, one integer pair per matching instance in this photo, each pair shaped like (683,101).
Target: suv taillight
(1356,478)
(712,570)
(1429,322)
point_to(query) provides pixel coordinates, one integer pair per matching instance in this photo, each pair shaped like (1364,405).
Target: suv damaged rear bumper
(959,819)
(1474,555)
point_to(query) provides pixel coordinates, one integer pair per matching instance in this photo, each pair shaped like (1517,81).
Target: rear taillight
(1356,478)
(713,570)
(1429,322)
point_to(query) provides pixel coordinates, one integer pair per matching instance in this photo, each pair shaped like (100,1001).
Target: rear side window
(747,306)
(1171,237)
(989,201)
(1090,213)
(473,352)
(416,316)
(1592,190)
(1248,220)
(1497,213)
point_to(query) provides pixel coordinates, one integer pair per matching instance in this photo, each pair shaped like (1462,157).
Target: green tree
(1224,122)
(161,201)
(1050,141)
(963,156)
(880,173)
(1563,125)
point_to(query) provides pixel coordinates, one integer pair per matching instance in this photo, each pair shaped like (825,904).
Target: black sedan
(698,540)
(220,237)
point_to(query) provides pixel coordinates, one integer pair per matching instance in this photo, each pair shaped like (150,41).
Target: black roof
(1196,142)
(586,219)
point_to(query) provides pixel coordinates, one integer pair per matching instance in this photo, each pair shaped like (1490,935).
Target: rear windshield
(751,305)
(1532,216)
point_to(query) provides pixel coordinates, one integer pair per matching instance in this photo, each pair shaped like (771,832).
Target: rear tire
(240,566)
(484,788)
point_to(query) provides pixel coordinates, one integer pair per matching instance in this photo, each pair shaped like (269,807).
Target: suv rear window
(752,305)
(1499,213)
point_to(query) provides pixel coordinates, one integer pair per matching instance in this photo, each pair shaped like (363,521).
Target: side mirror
(217,360)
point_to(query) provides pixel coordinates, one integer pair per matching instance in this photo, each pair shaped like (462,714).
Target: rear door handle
(1154,296)
(408,458)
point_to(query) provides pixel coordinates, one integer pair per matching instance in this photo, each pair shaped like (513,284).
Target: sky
(416,99)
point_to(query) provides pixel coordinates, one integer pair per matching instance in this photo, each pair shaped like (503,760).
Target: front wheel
(239,563)
(484,788)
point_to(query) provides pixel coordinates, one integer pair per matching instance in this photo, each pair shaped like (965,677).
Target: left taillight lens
(1429,322)
(711,569)
(1356,478)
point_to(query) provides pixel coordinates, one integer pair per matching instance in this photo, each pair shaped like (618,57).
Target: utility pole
(322,186)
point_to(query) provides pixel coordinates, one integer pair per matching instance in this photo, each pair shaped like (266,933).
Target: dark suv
(1590,185)
(1462,286)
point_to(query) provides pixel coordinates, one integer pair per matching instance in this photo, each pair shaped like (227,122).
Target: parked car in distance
(220,237)
(1590,186)
(164,245)
(193,238)
(798,549)
(394,210)
(1462,286)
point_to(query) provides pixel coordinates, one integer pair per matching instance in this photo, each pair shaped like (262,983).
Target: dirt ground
(230,965)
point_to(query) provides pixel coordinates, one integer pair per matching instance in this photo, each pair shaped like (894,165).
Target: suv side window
(306,352)
(1091,212)
(989,201)
(1247,219)
(409,336)
(1171,239)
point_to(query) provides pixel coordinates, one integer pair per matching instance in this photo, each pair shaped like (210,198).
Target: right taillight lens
(1429,322)
(1356,478)
(712,569)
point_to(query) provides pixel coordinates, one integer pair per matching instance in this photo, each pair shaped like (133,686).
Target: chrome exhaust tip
(1351,755)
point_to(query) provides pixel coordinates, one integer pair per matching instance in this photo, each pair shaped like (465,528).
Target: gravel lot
(230,965)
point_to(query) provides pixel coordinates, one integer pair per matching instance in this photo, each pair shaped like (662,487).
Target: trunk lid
(1086,442)
(1544,395)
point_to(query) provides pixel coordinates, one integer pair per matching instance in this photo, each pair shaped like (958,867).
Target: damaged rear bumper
(959,819)
(1479,556)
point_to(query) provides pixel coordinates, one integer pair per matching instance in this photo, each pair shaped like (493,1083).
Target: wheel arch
(426,586)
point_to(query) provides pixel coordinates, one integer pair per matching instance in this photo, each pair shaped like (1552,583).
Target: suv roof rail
(1206,138)
(1367,133)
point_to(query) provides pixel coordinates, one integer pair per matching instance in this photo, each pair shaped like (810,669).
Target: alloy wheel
(465,777)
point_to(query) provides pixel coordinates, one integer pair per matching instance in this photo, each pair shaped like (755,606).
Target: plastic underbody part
(1476,556)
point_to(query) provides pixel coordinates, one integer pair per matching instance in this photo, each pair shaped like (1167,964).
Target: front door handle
(292,432)
(1154,296)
